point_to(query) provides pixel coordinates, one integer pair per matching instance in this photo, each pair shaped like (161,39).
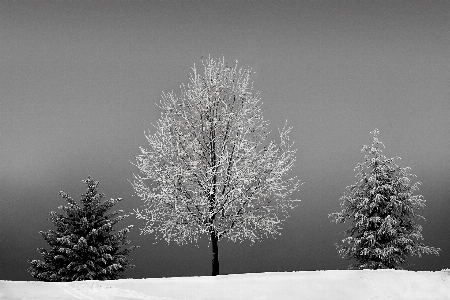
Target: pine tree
(84,246)
(382,209)
(209,178)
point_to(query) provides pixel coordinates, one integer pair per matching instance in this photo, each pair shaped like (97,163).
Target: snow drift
(339,284)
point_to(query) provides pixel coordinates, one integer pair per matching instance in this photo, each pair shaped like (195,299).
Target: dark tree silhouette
(84,246)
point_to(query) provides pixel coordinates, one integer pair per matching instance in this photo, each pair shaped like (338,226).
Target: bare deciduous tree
(209,177)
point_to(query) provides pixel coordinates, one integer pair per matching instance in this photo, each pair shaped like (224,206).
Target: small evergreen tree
(381,207)
(84,246)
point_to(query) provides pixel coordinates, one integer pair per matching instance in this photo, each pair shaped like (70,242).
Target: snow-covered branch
(205,165)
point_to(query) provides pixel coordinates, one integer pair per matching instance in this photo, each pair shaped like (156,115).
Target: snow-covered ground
(339,284)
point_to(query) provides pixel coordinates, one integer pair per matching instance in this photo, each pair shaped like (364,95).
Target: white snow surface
(339,284)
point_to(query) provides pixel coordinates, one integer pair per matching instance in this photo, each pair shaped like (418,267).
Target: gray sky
(80,80)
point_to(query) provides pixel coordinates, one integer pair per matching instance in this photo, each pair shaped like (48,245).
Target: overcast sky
(80,81)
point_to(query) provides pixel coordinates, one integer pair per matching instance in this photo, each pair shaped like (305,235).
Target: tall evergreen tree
(84,246)
(382,209)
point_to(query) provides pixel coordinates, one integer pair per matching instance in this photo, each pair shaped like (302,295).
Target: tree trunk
(215,250)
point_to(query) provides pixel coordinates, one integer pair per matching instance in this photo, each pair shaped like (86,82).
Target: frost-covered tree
(84,246)
(208,176)
(382,209)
